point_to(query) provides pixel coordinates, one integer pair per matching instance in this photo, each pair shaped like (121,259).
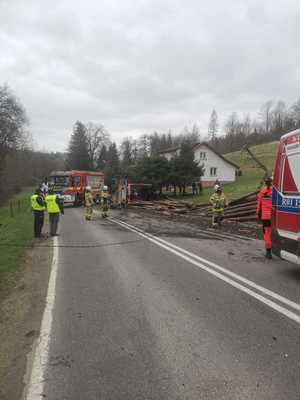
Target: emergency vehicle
(286,199)
(71,185)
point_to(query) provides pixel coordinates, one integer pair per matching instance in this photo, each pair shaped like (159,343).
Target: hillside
(251,173)
(251,176)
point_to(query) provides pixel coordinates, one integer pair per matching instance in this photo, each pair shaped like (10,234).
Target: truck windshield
(61,181)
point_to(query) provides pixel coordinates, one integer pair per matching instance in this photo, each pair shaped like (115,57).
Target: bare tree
(232,124)
(295,114)
(266,115)
(143,144)
(213,126)
(96,136)
(127,152)
(247,125)
(12,122)
(279,117)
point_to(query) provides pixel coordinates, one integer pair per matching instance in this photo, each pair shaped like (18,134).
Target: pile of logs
(167,206)
(239,210)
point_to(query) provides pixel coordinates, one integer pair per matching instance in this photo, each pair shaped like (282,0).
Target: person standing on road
(104,201)
(200,188)
(123,197)
(194,188)
(263,211)
(218,202)
(54,208)
(216,184)
(38,206)
(88,199)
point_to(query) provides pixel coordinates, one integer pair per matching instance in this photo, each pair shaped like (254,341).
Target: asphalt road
(138,318)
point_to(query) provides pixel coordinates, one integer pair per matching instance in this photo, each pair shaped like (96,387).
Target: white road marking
(193,259)
(41,353)
(262,289)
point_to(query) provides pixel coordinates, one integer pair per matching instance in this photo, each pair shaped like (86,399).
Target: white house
(215,165)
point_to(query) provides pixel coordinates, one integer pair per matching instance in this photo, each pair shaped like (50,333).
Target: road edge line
(35,386)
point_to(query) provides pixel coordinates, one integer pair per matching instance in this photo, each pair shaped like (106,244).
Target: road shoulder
(20,317)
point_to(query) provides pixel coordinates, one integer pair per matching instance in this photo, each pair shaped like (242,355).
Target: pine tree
(112,165)
(113,160)
(78,155)
(126,148)
(169,139)
(102,158)
(188,170)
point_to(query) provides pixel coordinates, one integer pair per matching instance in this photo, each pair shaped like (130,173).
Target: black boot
(268,254)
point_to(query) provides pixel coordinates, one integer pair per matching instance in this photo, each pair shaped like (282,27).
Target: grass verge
(15,229)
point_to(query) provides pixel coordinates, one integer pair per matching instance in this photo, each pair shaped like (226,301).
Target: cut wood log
(249,197)
(240,219)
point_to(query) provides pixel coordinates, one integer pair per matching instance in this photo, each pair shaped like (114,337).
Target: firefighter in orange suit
(263,210)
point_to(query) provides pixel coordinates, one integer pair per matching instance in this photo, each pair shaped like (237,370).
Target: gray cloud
(136,66)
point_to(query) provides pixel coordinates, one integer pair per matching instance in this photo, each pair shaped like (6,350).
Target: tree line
(20,165)
(91,148)
(272,121)
(137,160)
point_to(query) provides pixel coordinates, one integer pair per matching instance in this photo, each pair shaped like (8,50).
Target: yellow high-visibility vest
(52,206)
(35,205)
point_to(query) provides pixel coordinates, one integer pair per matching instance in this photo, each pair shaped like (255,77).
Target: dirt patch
(252,230)
(20,317)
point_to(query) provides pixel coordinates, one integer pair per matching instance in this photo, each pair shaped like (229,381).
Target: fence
(18,206)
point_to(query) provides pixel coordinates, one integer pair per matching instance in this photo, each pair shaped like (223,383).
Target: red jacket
(264,203)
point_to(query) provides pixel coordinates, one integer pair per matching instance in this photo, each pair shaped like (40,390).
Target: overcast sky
(142,65)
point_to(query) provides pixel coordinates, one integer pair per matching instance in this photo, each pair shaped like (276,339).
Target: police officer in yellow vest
(54,208)
(38,206)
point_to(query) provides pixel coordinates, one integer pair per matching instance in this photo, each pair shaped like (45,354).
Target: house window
(213,171)
(202,155)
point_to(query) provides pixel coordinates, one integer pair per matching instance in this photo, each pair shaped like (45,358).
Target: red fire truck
(71,185)
(286,199)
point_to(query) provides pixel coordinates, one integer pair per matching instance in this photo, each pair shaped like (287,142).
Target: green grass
(251,174)
(16,229)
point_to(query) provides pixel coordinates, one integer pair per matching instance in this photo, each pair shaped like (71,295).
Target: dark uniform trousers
(53,220)
(38,222)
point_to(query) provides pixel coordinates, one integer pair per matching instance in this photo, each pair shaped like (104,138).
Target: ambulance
(286,199)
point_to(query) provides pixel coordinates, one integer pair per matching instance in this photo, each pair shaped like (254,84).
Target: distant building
(216,166)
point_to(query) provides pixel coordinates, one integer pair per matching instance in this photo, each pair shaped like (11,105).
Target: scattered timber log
(179,211)
(242,209)
(251,203)
(249,197)
(242,219)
